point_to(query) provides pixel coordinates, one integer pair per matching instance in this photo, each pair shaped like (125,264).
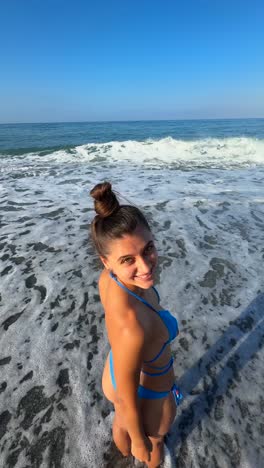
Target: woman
(138,376)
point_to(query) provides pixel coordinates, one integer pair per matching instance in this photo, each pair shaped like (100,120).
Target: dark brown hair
(112,220)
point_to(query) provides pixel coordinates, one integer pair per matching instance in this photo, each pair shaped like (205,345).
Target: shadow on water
(240,342)
(238,345)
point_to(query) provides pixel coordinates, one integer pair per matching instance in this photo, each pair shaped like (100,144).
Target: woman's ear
(104,262)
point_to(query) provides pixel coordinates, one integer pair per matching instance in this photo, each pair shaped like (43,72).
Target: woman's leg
(158,416)
(157,453)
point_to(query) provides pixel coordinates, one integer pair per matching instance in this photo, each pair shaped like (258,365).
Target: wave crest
(210,152)
(233,152)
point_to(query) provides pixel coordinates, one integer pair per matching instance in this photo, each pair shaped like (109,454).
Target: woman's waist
(158,356)
(159,383)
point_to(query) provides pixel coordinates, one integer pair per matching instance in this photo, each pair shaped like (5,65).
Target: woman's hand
(141,449)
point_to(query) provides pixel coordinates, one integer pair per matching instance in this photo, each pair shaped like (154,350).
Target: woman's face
(133,258)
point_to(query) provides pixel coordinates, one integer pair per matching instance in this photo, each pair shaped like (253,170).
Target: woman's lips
(145,277)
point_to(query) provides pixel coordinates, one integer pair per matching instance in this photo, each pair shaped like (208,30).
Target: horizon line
(129,120)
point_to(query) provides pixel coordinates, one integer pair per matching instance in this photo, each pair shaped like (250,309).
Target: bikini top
(169,321)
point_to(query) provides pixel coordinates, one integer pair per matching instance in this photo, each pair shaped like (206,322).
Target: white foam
(205,220)
(210,152)
(230,152)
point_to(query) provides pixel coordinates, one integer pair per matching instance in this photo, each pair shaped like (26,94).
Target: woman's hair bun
(105,200)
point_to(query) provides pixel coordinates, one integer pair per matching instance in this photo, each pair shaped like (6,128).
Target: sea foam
(204,200)
(222,153)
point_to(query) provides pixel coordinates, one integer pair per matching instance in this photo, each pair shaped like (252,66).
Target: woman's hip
(158,409)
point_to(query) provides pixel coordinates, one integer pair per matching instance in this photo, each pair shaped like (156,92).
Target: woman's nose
(143,265)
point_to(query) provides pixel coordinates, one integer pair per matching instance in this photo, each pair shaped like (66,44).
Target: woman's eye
(127,260)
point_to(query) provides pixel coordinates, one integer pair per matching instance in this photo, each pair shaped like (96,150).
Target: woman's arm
(127,349)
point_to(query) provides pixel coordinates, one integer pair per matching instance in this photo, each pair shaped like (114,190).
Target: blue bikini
(171,324)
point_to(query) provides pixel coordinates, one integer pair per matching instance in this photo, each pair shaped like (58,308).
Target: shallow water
(205,202)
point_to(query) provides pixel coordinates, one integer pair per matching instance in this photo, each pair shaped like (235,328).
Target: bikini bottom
(144,392)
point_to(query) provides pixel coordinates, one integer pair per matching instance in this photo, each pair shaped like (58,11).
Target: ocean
(201,185)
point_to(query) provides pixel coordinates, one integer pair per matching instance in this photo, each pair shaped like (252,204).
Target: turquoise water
(23,138)
(200,183)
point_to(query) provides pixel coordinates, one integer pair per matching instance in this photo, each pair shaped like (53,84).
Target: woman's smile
(146,276)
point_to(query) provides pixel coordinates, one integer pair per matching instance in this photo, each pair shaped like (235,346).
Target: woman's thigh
(158,415)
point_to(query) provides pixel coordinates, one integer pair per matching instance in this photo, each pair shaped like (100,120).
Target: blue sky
(84,60)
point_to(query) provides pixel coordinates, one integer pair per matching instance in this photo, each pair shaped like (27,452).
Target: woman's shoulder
(102,279)
(108,290)
(120,308)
